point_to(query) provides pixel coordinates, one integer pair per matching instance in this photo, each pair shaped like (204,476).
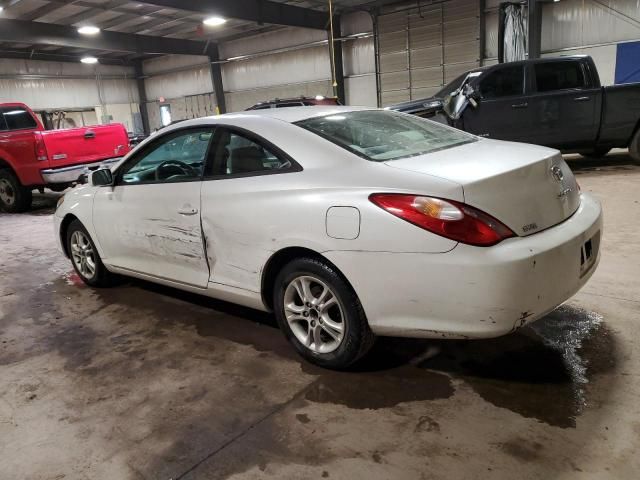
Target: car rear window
(559,76)
(381,135)
(18,118)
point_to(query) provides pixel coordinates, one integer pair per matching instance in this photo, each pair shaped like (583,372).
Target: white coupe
(345,222)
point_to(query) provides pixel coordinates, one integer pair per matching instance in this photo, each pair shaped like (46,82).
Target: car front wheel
(320,314)
(85,257)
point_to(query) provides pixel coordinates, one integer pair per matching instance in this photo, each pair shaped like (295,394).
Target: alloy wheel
(82,254)
(314,314)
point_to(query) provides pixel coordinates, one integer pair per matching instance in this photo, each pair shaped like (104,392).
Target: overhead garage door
(420,49)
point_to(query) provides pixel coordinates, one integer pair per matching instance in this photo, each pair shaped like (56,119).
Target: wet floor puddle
(541,371)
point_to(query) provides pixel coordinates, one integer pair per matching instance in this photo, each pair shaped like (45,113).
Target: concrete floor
(144,382)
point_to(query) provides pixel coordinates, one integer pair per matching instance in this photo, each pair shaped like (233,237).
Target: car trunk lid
(526,187)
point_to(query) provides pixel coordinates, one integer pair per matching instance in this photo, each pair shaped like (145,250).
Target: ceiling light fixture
(89,60)
(1,8)
(214,21)
(88,30)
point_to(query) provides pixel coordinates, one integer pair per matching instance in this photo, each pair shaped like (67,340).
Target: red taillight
(447,218)
(40,149)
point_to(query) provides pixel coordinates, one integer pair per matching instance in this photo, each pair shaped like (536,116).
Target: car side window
(239,154)
(503,82)
(17,118)
(176,157)
(3,125)
(555,76)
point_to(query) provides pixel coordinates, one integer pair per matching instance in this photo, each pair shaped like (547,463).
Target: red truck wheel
(14,198)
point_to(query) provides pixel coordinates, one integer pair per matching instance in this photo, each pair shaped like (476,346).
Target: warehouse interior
(253,61)
(143,381)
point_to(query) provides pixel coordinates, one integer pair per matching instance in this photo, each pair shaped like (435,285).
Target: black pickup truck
(556,102)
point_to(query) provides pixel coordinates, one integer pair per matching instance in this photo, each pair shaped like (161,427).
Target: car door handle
(89,134)
(520,105)
(188,211)
(582,99)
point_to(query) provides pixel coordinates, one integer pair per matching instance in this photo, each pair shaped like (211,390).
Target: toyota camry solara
(347,223)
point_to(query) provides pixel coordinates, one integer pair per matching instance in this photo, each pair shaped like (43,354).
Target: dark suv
(296,102)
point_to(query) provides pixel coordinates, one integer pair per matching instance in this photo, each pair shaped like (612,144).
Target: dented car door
(154,210)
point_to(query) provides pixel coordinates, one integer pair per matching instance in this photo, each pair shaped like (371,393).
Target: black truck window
(503,82)
(18,118)
(559,76)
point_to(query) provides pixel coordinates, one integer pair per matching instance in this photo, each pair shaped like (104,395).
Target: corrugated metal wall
(46,85)
(590,27)
(421,48)
(305,70)
(359,60)
(184,82)
(572,27)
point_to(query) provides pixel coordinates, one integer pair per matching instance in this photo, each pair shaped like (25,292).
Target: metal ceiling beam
(260,11)
(54,57)
(20,31)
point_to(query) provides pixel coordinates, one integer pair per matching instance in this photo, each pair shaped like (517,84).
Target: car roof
(295,114)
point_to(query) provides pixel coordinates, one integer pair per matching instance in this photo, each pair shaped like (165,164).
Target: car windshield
(381,135)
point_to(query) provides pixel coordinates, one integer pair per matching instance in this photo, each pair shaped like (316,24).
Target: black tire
(101,276)
(357,337)
(14,198)
(634,147)
(596,152)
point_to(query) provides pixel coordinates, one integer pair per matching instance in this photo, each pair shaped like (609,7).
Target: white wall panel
(40,67)
(358,56)
(356,22)
(361,91)
(305,65)
(178,84)
(237,101)
(576,23)
(283,38)
(64,92)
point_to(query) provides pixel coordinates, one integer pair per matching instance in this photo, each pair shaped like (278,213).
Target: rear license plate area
(589,253)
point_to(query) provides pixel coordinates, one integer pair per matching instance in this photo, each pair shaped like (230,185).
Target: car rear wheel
(320,314)
(634,147)
(85,258)
(14,198)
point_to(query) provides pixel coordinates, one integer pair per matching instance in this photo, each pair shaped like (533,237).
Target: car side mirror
(102,178)
(471,94)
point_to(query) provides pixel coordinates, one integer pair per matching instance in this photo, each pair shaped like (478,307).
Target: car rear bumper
(474,292)
(72,173)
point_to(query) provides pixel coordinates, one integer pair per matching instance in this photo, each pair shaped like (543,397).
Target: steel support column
(534,28)
(216,77)
(142,93)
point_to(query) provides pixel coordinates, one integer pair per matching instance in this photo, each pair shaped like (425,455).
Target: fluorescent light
(319,97)
(214,21)
(88,30)
(240,57)
(1,8)
(89,60)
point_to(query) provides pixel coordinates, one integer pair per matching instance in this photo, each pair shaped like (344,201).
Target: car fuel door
(149,222)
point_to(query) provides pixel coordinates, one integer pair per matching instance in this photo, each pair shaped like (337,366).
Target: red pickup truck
(33,158)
